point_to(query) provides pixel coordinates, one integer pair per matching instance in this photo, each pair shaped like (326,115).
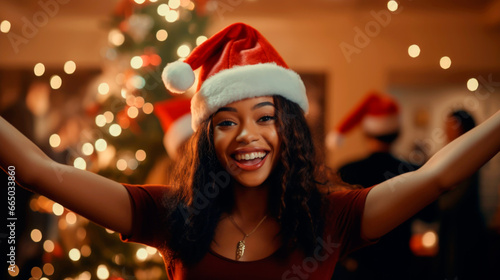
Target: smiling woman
(246,202)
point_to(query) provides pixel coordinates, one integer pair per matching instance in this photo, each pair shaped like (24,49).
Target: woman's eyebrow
(227,109)
(267,103)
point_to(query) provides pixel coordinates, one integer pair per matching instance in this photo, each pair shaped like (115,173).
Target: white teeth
(250,156)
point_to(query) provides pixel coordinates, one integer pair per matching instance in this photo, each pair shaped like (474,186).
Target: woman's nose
(248,133)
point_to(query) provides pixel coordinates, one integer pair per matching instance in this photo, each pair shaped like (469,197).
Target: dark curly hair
(203,190)
(464,119)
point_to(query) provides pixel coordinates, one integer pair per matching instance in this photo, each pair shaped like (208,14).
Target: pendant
(240,249)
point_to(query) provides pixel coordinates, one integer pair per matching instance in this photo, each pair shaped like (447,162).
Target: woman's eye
(226,123)
(267,118)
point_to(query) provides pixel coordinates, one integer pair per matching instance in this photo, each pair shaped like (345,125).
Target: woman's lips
(250,165)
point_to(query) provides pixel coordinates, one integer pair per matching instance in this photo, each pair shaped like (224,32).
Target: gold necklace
(240,247)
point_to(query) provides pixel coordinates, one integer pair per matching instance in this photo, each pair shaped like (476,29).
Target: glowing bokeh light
(445,62)
(69,67)
(39,69)
(74,254)
(80,163)
(472,84)
(36,235)
(54,140)
(161,35)
(414,50)
(55,82)
(5,26)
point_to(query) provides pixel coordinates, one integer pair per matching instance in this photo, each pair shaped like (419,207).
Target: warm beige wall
(308,38)
(311,42)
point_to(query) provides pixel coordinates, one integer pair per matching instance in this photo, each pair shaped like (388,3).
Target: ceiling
(98,8)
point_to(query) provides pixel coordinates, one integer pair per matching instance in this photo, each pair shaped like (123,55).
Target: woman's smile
(249,159)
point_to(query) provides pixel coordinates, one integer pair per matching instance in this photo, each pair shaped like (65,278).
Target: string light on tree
(115,37)
(100,145)
(139,101)
(102,272)
(74,254)
(140,155)
(103,88)
(141,254)
(161,35)
(174,4)
(36,235)
(108,115)
(57,209)
(136,62)
(36,272)
(183,51)
(121,164)
(100,120)
(163,9)
(86,251)
(87,149)
(71,218)
(48,269)
(115,130)
(84,276)
(132,164)
(48,246)
(201,39)
(132,112)
(148,108)
(172,16)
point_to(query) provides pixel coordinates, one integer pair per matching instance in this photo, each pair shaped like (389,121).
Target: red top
(342,235)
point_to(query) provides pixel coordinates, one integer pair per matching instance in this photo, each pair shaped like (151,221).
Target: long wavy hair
(203,190)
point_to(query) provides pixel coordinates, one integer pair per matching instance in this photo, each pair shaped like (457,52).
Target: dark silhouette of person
(379,116)
(462,227)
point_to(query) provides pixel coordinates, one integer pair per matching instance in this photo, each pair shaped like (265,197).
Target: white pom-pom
(178,76)
(333,140)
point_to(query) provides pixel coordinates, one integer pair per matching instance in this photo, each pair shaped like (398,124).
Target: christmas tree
(122,140)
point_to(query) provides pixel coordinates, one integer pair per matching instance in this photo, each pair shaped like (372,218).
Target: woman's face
(246,139)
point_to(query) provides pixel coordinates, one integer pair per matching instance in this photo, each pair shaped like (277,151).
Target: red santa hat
(236,63)
(175,119)
(377,113)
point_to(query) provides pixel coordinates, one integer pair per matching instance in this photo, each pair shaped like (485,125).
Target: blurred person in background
(462,253)
(379,116)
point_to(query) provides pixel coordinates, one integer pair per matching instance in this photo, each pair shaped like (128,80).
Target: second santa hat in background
(175,119)
(378,115)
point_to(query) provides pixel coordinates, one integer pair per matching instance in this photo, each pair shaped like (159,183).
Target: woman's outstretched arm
(393,201)
(99,199)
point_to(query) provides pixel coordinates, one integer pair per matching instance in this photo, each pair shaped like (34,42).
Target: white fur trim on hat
(381,125)
(246,81)
(178,132)
(178,76)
